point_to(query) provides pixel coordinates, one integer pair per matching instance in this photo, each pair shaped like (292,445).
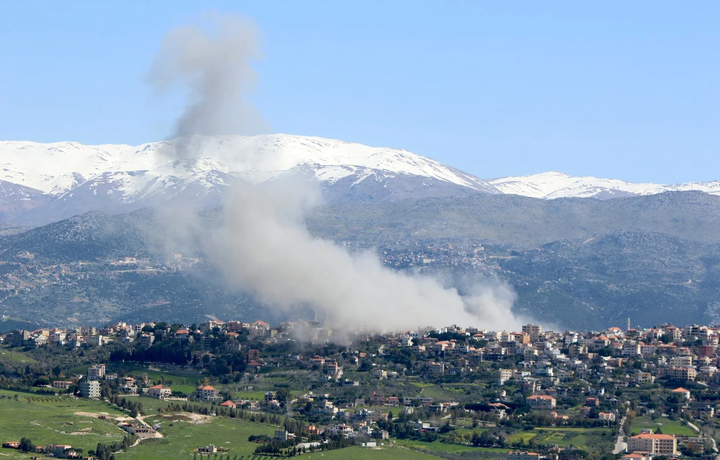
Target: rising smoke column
(262,245)
(214,67)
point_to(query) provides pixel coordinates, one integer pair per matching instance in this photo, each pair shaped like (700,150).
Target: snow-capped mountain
(115,178)
(555,184)
(41,183)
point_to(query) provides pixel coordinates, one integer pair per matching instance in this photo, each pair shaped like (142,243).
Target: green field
(566,437)
(11,356)
(666,425)
(361,453)
(183,437)
(437,393)
(440,447)
(54,419)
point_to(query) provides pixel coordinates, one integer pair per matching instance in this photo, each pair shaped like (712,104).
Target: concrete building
(96,372)
(159,391)
(90,389)
(533,330)
(505,375)
(207,393)
(654,444)
(523,456)
(62,384)
(146,340)
(541,402)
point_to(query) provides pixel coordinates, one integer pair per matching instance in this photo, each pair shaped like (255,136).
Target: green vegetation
(57,419)
(182,437)
(360,453)
(662,425)
(13,356)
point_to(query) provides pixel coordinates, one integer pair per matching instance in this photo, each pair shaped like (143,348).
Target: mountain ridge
(42,183)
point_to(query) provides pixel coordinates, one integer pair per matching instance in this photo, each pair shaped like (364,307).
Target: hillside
(573,262)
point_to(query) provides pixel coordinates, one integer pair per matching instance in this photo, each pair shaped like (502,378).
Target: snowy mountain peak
(54,168)
(75,178)
(62,179)
(555,184)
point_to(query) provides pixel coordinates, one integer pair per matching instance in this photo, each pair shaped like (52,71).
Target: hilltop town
(528,394)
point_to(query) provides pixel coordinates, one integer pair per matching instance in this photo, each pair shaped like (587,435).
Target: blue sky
(614,89)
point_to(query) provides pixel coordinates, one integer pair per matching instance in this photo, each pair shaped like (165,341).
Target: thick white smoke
(262,245)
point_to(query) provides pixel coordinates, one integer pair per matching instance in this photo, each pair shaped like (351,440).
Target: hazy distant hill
(579,263)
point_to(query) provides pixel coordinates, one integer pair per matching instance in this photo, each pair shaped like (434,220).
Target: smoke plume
(214,67)
(262,245)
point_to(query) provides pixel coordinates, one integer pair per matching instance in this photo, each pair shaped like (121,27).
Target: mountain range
(43,183)
(580,252)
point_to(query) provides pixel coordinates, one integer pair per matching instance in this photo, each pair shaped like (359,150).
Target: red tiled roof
(653,436)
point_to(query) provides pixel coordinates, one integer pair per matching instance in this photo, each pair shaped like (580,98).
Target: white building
(90,389)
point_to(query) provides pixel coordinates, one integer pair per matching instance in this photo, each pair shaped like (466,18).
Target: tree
(26,445)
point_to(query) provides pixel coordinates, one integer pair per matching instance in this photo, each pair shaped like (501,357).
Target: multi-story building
(533,330)
(656,444)
(96,340)
(62,384)
(685,373)
(436,368)
(96,372)
(159,391)
(505,375)
(90,389)
(146,340)
(643,377)
(541,402)
(207,393)
(523,456)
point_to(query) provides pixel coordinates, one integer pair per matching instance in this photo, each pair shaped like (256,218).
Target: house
(146,340)
(340,430)
(61,451)
(643,377)
(636,456)
(182,335)
(436,368)
(607,416)
(207,393)
(541,402)
(377,399)
(682,392)
(282,435)
(62,384)
(523,456)
(209,449)
(229,404)
(655,444)
(333,369)
(159,392)
(141,431)
(96,340)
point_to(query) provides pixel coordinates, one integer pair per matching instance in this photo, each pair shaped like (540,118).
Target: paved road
(620,445)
